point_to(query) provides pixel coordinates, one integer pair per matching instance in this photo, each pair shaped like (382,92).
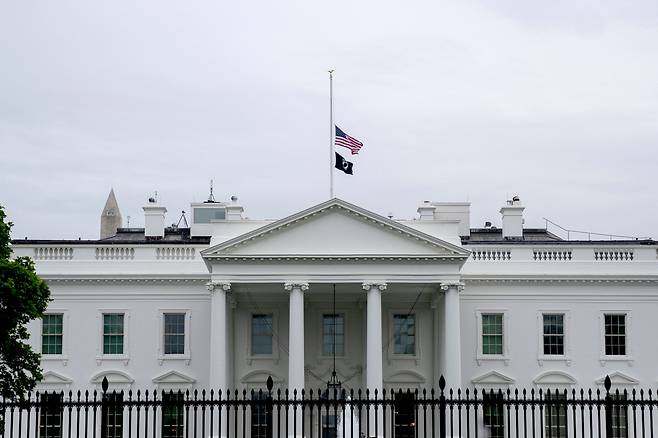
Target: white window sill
(112,357)
(554,358)
(63,358)
(271,357)
(627,359)
(166,357)
(492,357)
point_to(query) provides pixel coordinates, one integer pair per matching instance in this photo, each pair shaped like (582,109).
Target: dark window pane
(113,333)
(492,333)
(174,333)
(333,332)
(172,415)
(112,416)
(261,334)
(404,334)
(553,334)
(494,416)
(52,333)
(50,416)
(615,335)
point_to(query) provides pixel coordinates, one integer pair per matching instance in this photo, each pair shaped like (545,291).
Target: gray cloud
(454,100)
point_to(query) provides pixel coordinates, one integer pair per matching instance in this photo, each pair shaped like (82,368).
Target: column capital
(367,285)
(447,285)
(290,285)
(216,285)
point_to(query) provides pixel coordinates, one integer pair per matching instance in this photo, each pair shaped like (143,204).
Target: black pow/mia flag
(343,164)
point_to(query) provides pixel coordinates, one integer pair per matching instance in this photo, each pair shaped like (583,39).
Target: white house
(230,301)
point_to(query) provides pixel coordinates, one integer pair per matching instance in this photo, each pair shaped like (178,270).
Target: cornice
(125,279)
(548,279)
(335,258)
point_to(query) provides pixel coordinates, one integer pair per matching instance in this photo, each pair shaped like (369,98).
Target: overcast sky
(554,101)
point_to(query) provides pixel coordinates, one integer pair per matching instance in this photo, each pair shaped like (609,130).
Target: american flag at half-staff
(348,142)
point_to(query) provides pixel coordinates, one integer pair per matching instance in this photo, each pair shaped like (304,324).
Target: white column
(219,353)
(296,350)
(451,346)
(374,350)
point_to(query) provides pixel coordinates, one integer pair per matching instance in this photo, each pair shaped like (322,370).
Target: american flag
(348,142)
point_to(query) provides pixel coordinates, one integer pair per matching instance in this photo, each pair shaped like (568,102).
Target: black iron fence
(333,413)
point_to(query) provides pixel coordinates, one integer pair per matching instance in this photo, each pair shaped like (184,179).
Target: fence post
(442,407)
(608,407)
(269,408)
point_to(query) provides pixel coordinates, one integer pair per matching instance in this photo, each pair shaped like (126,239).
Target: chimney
(154,220)
(513,219)
(455,211)
(234,210)
(110,217)
(426,211)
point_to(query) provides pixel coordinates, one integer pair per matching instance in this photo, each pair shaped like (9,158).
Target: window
(492,333)
(261,416)
(112,419)
(333,333)
(553,334)
(52,333)
(555,415)
(50,416)
(492,410)
(404,334)
(172,415)
(615,334)
(261,334)
(619,417)
(405,415)
(208,215)
(113,331)
(330,426)
(174,333)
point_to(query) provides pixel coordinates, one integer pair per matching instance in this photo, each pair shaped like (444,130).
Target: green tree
(23,297)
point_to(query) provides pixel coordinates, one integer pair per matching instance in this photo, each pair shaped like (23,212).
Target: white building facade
(230,301)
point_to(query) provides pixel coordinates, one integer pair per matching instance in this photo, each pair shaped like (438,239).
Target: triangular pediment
(617,378)
(335,229)
(492,378)
(174,377)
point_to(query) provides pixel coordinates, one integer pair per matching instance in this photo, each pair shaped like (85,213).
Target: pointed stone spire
(110,217)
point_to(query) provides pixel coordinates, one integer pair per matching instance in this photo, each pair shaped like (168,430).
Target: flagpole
(331,134)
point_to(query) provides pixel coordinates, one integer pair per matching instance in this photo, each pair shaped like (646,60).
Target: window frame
(566,319)
(321,353)
(43,412)
(628,336)
(275,344)
(391,335)
(64,357)
(187,355)
(100,355)
(479,356)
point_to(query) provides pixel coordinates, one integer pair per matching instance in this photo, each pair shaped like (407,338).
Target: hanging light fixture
(334,386)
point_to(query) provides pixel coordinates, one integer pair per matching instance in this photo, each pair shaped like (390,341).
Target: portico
(381,268)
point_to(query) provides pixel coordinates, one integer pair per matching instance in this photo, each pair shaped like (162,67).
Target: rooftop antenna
(182,219)
(211,197)
(128,225)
